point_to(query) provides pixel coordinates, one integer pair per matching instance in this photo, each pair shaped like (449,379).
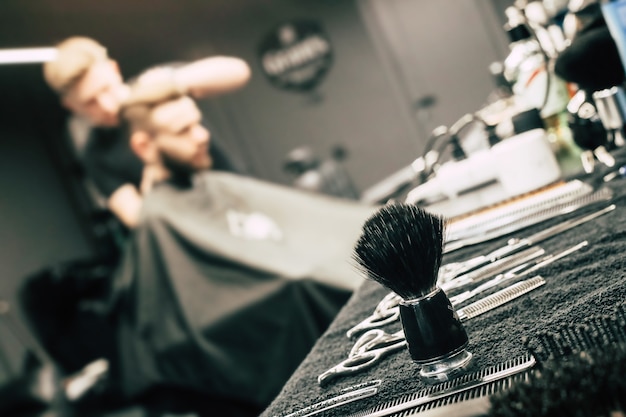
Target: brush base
(446,368)
(432,329)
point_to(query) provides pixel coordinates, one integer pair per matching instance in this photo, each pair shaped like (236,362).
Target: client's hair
(144,97)
(75,56)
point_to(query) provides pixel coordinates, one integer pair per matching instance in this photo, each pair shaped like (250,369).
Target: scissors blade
(359,362)
(385,312)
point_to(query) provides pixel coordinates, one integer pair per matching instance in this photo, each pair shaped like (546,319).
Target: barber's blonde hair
(75,56)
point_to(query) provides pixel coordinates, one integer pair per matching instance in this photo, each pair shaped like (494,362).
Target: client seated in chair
(227,281)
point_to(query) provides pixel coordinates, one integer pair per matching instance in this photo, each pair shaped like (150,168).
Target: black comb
(593,333)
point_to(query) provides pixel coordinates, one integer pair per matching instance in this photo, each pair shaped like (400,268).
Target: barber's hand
(212,76)
(206,77)
(155,85)
(148,178)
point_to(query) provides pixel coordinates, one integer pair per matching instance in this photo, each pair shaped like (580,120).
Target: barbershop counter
(581,291)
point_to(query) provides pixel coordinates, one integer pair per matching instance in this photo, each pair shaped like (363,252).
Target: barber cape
(227,283)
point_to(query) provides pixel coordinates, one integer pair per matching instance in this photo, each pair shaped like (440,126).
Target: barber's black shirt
(109,161)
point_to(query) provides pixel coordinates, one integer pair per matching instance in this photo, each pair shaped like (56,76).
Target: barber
(90,85)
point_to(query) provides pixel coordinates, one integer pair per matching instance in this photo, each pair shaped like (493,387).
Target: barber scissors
(369,349)
(386,311)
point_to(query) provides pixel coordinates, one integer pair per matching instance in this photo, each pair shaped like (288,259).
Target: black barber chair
(21,390)
(66,308)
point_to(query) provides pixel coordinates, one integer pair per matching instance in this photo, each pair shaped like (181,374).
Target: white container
(525,162)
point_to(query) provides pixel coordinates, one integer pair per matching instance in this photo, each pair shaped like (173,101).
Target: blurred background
(399,68)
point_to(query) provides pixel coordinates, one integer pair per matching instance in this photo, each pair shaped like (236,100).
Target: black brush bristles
(401,247)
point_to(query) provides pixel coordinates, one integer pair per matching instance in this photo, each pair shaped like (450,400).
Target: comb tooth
(576,341)
(612,329)
(600,331)
(621,327)
(557,344)
(617,330)
(552,348)
(563,348)
(569,345)
(468,395)
(607,336)
(562,344)
(431,405)
(620,312)
(585,334)
(542,351)
(596,337)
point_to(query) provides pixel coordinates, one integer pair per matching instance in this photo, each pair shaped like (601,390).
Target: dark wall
(39,224)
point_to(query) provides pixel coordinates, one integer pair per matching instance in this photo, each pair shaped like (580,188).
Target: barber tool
(347,395)
(504,227)
(492,269)
(374,344)
(374,339)
(401,248)
(588,383)
(588,132)
(587,357)
(478,384)
(515,245)
(370,348)
(386,312)
(562,192)
(609,103)
(593,333)
(515,273)
(499,298)
(618,173)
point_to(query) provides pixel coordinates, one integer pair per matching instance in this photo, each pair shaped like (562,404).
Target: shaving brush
(401,247)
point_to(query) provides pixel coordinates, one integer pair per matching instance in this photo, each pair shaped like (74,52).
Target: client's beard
(181,172)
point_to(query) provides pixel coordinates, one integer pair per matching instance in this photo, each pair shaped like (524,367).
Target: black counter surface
(587,284)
